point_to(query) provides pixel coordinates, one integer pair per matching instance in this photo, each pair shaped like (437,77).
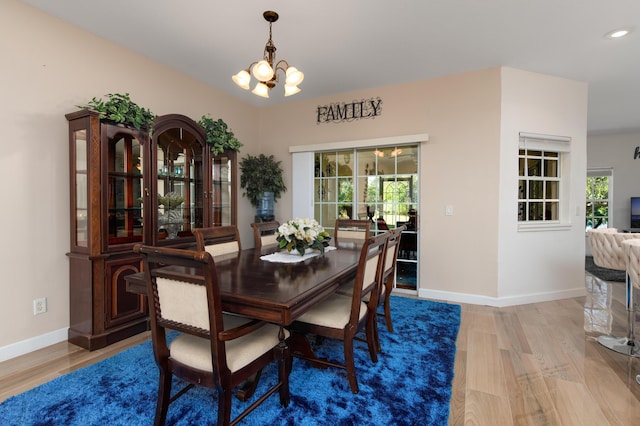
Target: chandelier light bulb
(261,90)
(263,71)
(294,77)
(242,79)
(290,90)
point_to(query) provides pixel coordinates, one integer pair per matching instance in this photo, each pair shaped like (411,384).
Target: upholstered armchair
(632,251)
(606,247)
(609,251)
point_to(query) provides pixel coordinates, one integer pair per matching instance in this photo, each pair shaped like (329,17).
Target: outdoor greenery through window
(366,183)
(597,199)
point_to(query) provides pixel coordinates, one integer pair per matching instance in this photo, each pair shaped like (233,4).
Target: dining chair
(218,240)
(341,317)
(212,349)
(264,233)
(386,283)
(351,229)
(389,273)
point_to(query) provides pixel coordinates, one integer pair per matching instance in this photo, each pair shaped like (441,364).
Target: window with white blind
(541,178)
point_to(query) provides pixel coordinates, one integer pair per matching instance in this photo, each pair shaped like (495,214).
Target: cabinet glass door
(221,195)
(81,189)
(124,191)
(180,186)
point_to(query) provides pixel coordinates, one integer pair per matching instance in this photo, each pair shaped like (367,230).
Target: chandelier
(266,73)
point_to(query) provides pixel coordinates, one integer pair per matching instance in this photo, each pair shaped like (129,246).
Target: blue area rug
(410,384)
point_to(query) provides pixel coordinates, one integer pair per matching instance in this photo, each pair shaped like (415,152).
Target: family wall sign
(349,111)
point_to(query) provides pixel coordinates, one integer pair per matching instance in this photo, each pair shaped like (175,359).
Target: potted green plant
(219,136)
(121,109)
(261,178)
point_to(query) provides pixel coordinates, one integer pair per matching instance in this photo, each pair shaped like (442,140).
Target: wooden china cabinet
(126,188)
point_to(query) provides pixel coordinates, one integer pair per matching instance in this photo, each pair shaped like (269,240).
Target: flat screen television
(635,212)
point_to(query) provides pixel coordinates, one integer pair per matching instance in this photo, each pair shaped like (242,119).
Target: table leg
(248,388)
(301,346)
(284,367)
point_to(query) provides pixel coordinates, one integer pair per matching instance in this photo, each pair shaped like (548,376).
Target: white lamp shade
(262,71)
(294,77)
(290,90)
(242,79)
(261,90)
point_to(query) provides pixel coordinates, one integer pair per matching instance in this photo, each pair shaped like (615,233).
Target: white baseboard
(20,348)
(501,302)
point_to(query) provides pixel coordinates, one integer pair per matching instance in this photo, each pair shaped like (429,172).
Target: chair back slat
(264,233)
(222,248)
(183,303)
(351,229)
(185,298)
(218,240)
(369,274)
(393,246)
(267,240)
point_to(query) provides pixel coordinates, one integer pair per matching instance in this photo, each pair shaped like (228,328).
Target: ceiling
(349,45)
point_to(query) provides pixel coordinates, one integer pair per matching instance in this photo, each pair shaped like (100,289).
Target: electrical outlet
(39,306)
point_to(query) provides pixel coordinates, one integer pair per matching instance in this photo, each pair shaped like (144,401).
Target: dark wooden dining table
(272,291)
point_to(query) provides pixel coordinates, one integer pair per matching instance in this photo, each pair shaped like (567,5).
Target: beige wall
(50,66)
(461,114)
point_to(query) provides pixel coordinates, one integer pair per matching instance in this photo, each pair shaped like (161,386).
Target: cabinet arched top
(178,121)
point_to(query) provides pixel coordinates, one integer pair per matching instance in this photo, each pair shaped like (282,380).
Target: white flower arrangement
(302,233)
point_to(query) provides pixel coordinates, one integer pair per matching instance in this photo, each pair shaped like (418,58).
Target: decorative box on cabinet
(120,181)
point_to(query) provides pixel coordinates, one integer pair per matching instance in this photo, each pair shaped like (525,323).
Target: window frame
(595,173)
(544,148)
(357,205)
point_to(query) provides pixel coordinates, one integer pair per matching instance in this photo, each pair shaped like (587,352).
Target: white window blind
(536,141)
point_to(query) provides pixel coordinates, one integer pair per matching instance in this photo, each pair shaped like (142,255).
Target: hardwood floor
(539,364)
(536,364)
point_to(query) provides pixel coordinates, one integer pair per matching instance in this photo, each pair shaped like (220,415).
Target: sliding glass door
(379,184)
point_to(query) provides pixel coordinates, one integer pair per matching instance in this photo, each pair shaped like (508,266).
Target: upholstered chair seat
(333,312)
(195,352)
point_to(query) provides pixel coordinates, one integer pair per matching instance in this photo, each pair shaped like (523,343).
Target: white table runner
(294,256)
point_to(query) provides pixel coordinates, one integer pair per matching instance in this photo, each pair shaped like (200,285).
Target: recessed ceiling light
(618,33)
